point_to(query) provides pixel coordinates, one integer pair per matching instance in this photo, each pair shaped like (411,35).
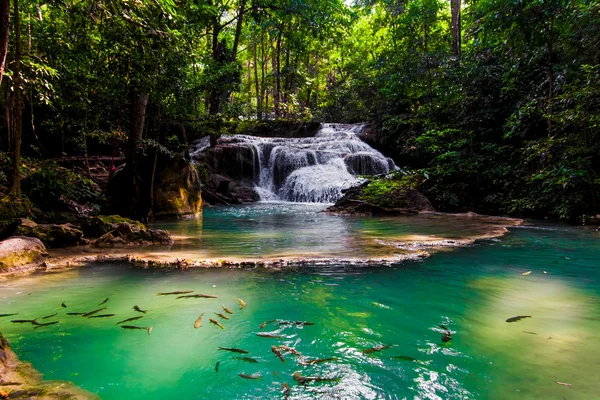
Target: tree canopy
(497,102)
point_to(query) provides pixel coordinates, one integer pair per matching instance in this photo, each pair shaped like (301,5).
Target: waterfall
(314,169)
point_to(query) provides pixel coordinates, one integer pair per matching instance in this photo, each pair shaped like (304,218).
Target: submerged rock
(53,235)
(19,252)
(23,381)
(126,234)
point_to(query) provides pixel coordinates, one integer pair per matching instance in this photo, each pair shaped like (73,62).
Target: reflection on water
(284,230)
(470,291)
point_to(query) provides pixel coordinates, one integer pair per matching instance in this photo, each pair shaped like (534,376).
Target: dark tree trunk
(456,26)
(238,29)
(4,29)
(139,104)
(18,114)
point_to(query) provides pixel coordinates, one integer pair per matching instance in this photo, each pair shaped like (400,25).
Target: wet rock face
(52,235)
(16,252)
(126,234)
(176,189)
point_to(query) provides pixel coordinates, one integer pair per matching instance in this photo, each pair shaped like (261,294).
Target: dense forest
(495,102)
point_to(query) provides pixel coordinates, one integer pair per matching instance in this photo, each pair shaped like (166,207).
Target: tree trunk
(18,113)
(549,43)
(238,29)
(139,104)
(456,26)
(257,85)
(4,29)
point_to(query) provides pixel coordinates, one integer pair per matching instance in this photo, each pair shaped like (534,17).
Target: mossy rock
(103,224)
(18,252)
(132,235)
(51,234)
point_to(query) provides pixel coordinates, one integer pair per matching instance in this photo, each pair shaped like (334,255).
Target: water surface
(471,291)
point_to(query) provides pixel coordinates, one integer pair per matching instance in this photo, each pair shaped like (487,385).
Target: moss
(390,191)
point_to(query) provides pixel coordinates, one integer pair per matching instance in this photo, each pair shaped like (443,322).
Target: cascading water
(314,169)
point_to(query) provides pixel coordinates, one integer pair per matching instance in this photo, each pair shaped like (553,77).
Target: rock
(126,234)
(26,382)
(17,252)
(102,224)
(177,189)
(399,201)
(52,235)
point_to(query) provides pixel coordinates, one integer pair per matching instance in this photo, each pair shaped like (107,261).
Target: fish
(49,316)
(285,390)
(215,322)
(526,273)
(198,322)
(197,296)
(103,316)
(38,325)
(173,293)
(7,315)
(518,318)
(290,350)
(104,302)
(129,319)
(94,312)
(298,323)
(531,333)
(266,323)
(75,313)
(375,349)
(23,321)
(217,366)
(227,310)
(403,358)
(303,380)
(221,316)
(149,329)
(256,376)
(242,303)
(247,359)
(63,305)
(269,335)
(136,308)
(563,383)
(320,360)
(278,353)
(446,337)
(233,349)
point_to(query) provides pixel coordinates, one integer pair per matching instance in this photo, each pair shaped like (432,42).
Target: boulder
(176,189)
(102,224)
(53,235)
(20,251)
(126,234)
(399,201)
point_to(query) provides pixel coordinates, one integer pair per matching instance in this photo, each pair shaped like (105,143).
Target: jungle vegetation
(496,102)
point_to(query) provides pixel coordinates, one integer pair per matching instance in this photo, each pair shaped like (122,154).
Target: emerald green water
(471,290)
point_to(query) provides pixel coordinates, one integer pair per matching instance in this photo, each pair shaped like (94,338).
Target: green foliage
(50,187)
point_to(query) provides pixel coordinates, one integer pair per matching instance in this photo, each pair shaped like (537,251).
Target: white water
(314,169)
